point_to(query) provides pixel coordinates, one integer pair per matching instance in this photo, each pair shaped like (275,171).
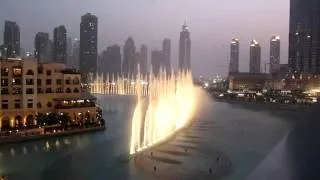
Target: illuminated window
(4,71)
(17,71)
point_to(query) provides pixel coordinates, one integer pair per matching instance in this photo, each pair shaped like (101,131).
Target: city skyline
(211,33)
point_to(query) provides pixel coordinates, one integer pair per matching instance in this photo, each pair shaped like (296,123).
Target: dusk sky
(212,24)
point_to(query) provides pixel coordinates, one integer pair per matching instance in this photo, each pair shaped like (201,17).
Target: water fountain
(165,104)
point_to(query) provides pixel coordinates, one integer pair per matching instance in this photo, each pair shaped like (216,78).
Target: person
(154,168)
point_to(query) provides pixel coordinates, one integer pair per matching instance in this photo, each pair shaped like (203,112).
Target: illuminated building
(304,36)
(60,45)
(88,43)
(255,57)
(11,39)
(274,54)
(29,88)
(184,48)
(234,56)
(41,46)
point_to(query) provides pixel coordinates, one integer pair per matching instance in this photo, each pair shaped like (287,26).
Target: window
(48,90)
(59,81)
(48,82)
(76,81)
(4,82)
(48,73)
(40,70)
(5,106)
(68,81)
(76,90)
(49,105)
(30,72)
(39,91)
(29,91)
(29,81)
(68,90)
(39,105)
(59,90)
(4,71)
(30,105)
(17,105)
(17,71)
(4,91)
(39,82)
(16,91)
(16,81)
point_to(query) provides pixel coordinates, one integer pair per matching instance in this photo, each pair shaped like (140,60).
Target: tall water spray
(165,103)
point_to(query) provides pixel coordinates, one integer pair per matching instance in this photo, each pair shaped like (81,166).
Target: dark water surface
(245,135)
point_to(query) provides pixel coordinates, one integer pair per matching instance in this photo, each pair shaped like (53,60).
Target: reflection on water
(95,155)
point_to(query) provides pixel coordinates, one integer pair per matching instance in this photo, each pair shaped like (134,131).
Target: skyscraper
(234,56)
(166,48)
(129,64)
(184,48)
(157,61)
(144,59)
(75,54)
(69,51)
(274,54)
(60,44)
(11,39)
(41,46)
(111,61)
(304,36)
(88,43)
(255,57)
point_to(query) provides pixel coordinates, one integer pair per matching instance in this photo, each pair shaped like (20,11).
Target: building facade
(11,39)
(157,61)
(88,43)
(255,57)
(29,88)
(274,54)
(60,44)
(41,46)
(143,59)
(234,56)
(111,61)
(304,36)
(166,49)
(185,48)
(129,64)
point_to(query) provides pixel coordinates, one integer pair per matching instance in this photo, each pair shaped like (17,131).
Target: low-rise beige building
(28,88)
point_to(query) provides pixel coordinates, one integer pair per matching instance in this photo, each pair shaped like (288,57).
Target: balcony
(75,105)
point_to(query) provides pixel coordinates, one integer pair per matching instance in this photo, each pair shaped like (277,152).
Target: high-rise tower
(60,44)
(129,64)
(166,49)
(11,39)
(184,48)
(255,57)
(304,36)
(41,46)
(88,43)
(274,54)
(234,56)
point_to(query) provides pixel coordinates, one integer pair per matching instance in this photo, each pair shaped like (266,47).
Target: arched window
(68,90)
(39,105)
(18,121)
(29,121)
(76,80)
(30,72)
(49,105)
(76,90)
(5,121)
